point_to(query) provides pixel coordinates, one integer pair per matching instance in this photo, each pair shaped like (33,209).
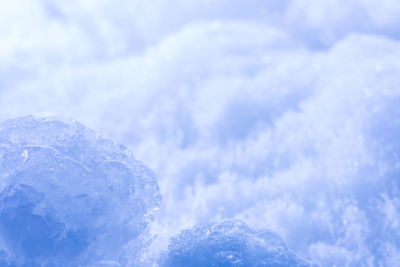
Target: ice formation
(69,197)
(228,243)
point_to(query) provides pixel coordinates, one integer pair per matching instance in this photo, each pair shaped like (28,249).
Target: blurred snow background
(282,113)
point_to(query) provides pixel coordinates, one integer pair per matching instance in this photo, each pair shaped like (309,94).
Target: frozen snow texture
(281,113)
(228,243)
(69,197)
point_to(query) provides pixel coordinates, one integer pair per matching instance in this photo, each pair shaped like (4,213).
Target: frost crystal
(69,197)
(228,243)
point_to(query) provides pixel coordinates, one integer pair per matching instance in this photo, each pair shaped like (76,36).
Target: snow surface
(284,114)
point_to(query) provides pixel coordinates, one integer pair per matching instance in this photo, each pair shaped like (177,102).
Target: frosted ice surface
(69,197)
(228,243)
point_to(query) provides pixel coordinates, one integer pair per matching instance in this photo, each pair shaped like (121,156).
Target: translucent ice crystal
(69,197)
(228,243)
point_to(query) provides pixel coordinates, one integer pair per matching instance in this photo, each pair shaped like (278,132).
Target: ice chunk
(228,243)
(69,197)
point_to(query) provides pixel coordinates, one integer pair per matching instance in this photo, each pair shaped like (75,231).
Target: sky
(283,114)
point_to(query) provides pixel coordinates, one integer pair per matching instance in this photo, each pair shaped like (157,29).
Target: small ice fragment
(228,243)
